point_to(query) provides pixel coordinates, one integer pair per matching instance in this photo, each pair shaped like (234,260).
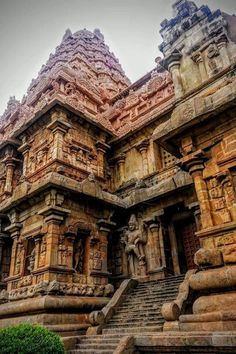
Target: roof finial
(67,34)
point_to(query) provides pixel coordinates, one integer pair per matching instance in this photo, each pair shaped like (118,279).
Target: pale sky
(31,29)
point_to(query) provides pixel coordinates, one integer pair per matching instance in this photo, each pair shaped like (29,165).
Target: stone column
(37,240)
(174,249)
(195,165)
(197,214)
(222,46)
(59,127)
(154,256)
(54,214)
(162,247)
(70,236)
(142,148)
(197,58)
(24,149)
(105,227)
(121,165)
(174,67)
(102,148)
(53,221)
(202,194)
(10,166)
(14,230)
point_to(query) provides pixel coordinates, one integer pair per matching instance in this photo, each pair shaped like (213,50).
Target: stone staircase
(140,313)
(98,344)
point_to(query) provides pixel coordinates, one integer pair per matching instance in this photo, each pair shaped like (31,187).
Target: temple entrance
(187,243)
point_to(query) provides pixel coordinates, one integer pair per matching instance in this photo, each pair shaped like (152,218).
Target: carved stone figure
(79,256)
(31,261)
(43,250)
(134,241)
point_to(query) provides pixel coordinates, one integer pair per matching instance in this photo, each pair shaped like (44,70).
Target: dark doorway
(187,243)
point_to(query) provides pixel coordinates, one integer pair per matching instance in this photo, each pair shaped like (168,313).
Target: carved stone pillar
(54,215)
(142,148)
(14,230)
(154,246)
(59,127)
(174,67)
(121,166)
(10,166)
(222,46)
(102,148)
(37,240)
(70,236)
(197,58)
(195,165)
(24,149)
(174,248)
(162,247)
(197,214)
(105,227)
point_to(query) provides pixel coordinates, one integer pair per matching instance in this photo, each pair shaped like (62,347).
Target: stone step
(124,330)
(159,285)
(137,314)
(140,313)
(135,320)
(133,325)
(91,351)
(108,340)
(147,302)
(101,346)
(153,292)
(142,306)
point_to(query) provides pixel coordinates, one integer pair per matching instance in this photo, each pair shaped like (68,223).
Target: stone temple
(118,200)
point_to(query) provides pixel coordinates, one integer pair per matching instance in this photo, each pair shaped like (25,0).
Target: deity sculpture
(134,239)
(79,256)
(31,261)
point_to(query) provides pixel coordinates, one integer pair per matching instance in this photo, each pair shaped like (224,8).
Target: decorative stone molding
(54,288)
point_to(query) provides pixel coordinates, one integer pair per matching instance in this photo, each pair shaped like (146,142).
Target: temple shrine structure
(118,199)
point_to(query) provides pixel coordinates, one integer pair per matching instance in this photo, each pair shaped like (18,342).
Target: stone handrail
(99,318)
(172,310)
(125,346)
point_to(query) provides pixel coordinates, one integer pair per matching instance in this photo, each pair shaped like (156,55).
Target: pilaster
(143,148)
(102,149)
(194,163)
(59,127)
(173,63)
(198,59)
(104,229)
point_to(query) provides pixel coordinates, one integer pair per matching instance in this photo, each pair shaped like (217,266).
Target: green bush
(29,339)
